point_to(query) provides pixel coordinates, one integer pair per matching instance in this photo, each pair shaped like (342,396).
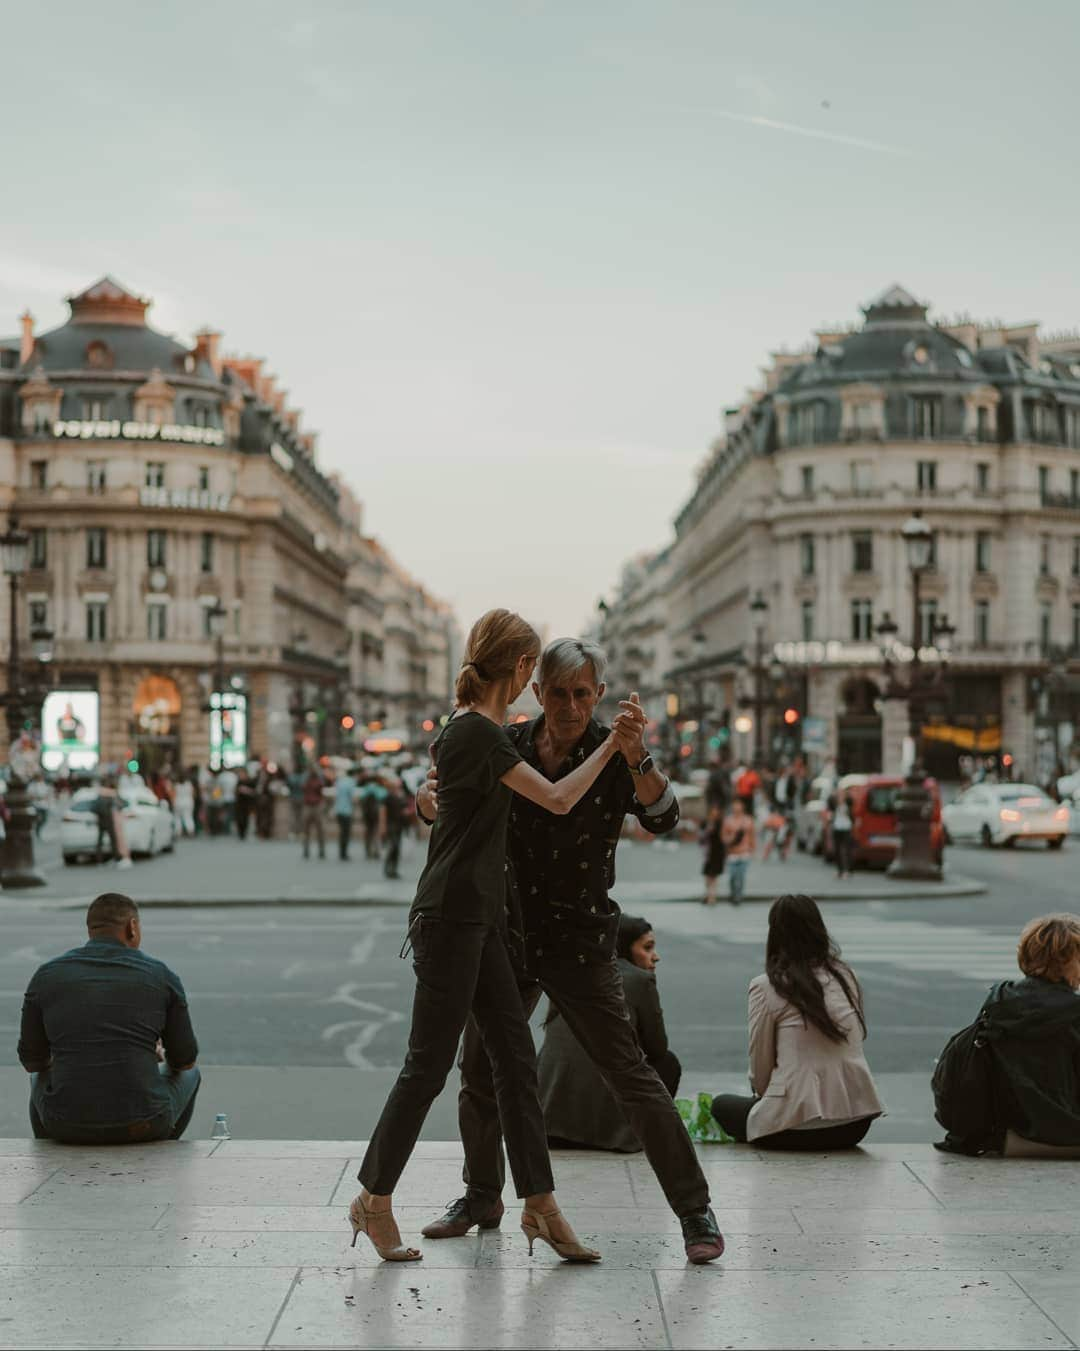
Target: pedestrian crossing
(982,954)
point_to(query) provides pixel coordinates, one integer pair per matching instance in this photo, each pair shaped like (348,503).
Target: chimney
(278,401)
(208,347)
(292,417)
(265,388)
(26,346)
(308,440)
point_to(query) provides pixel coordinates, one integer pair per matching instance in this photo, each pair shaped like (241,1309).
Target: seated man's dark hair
(110,910)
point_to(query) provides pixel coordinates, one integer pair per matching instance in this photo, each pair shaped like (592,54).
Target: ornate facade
(802,500)
(161,484)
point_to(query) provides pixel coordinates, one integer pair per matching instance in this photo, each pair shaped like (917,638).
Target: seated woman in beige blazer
(812,1086)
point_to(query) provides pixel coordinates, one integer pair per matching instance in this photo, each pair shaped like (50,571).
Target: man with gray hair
(563,926)
(107,1039)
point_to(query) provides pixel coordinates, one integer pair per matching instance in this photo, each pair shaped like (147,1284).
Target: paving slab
(245,1243)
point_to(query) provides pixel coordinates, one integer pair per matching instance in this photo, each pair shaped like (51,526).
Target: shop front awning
(983,741)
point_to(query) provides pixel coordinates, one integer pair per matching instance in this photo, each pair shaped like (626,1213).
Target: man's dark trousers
(183,1088)
(591,1000)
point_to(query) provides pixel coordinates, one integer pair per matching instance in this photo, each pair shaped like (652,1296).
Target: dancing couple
(466,975)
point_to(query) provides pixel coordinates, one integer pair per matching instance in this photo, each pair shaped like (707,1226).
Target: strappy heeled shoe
(359,1215)
(534,1225)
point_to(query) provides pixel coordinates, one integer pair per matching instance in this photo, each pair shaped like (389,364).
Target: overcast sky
(513,259)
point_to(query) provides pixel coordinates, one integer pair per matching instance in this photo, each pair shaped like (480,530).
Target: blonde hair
(496,642)
(1048,946)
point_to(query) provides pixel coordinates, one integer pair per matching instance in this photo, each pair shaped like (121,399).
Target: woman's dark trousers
(842,849)
(591,1000)
(732,1110)
(462,969)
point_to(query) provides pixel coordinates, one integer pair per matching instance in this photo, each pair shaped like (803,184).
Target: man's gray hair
(565,657)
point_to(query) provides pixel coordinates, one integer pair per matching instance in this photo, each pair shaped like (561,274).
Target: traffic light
(348,722)
(428,725)
(791,716)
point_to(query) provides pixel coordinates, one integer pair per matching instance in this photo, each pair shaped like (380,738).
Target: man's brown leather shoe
(459,1219)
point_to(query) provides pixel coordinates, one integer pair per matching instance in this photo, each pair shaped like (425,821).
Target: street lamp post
(216,616)
(700,642)
(759,615)
(913,861)
(18,869)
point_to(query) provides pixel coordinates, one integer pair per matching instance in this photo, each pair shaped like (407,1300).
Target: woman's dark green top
(464,878)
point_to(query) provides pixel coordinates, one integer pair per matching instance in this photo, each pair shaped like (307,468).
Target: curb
(944,891)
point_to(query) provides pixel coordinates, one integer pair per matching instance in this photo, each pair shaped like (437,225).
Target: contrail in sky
(771,123)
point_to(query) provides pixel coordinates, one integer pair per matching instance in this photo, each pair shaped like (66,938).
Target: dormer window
(926,416)
(809,423)
(99,357)
(96,409)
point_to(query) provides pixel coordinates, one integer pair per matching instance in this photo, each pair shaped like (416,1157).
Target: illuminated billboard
(228,730)
(69,730)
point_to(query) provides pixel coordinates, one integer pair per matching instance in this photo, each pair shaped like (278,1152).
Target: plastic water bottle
(221,1128)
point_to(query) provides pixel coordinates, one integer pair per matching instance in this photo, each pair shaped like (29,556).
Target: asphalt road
(313,986)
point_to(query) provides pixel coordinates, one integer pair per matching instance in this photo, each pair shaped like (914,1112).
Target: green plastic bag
(700,1123)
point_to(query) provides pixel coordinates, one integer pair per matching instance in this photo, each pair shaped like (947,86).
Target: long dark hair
(798,946)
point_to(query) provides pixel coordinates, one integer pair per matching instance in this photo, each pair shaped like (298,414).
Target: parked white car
(149,825)
(1002,813)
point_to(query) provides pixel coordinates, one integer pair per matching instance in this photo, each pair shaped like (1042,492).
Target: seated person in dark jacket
(107,1039)
(579,1108)
(1032,1033)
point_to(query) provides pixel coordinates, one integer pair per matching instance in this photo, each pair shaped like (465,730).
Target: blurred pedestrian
(712,839)
(740,841)
(264,802)
(344,806)
(227,782)
(372,797)
(312,812)
(843,823)
(746,787)
(185,803)
(396,815)
(244,802)
(107,811)
(37,790)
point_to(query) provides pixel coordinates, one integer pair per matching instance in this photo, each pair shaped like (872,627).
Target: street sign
(815,734)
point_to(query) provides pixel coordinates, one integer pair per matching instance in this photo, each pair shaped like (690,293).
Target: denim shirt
(97,1012)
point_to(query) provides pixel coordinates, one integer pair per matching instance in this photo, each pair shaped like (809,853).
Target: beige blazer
(798,1074)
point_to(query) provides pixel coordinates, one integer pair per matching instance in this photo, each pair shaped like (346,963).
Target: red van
(875,834)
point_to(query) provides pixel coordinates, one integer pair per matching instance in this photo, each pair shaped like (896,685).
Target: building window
(926,476)
(200,415)
(95,621)
(206,552)
(928,610)
(1044,555)
(1076,628)
(983,428)
(862,477)
(204,478)
(809,423)
(1072,427)
(155,622)
(40,418)
(982,477)
(95,547)
(926,416)
(807,475)
(1045,625)
(982,551)
(39,548)
(155,474)
(39,614)
(806,555)
(864,419)
(862,621)
(932,561)
(1046,426)
(39,474)
(1044,481)
(862,551)
(807,621)
(96,409)
(155,548)
(982,623)
(1076,556)
(95,476)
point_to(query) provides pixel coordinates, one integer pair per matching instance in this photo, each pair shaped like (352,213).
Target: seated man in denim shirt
(107,1039)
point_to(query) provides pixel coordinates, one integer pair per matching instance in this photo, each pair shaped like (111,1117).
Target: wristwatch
(644,766)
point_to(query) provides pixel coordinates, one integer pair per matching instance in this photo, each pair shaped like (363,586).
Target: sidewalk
(228,871)
(245,1244)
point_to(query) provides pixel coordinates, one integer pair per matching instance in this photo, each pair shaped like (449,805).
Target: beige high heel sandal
(534,1225)
(358,1218)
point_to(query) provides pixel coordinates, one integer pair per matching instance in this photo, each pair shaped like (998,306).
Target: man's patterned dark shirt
(563,867)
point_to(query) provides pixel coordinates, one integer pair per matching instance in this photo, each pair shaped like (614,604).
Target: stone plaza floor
(245,1244)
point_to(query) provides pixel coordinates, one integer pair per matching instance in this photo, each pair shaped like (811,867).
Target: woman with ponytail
(457,930)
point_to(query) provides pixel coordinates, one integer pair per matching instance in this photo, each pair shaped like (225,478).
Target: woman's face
(643,952)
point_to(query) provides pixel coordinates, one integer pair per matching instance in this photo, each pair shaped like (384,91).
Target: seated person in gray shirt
(107,1039)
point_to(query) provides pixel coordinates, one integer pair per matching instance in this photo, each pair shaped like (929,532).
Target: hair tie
(479,671)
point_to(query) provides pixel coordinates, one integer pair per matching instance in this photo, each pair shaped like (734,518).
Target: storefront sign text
(138,431)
